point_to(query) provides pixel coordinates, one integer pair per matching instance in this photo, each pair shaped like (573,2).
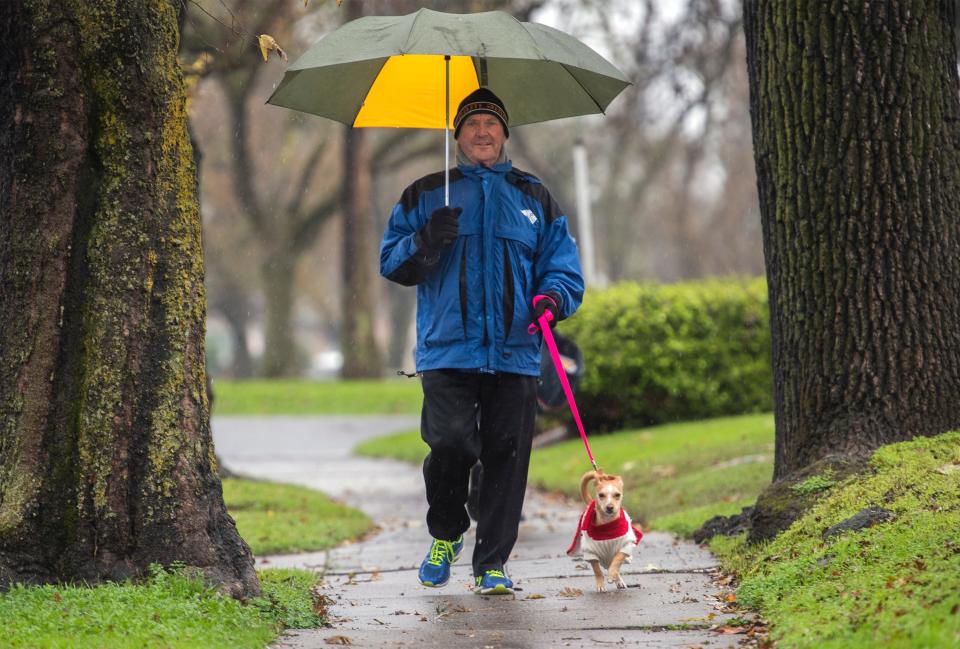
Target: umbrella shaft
(446,133)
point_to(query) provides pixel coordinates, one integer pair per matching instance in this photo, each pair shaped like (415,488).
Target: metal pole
(582,184)
(446,133)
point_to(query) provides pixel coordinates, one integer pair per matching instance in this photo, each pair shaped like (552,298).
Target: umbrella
(401,71)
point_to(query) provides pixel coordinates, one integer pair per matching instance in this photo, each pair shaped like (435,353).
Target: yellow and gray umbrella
(410,71)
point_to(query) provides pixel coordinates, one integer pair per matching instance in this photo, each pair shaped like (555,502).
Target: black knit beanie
(481,100)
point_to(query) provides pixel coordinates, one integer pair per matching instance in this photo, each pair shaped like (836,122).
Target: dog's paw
(618,580)
(601,588)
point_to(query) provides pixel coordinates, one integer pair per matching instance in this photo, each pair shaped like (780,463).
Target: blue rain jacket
(474,297)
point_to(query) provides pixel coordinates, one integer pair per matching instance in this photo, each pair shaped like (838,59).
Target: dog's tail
(585,480)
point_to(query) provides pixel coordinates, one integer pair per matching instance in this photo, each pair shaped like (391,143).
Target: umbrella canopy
(391,71)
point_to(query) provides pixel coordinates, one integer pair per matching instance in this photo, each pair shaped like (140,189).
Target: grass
(168,610)
(406,447)
(896,584)
(171,609)
(277,518)
(295,397)
(677,475)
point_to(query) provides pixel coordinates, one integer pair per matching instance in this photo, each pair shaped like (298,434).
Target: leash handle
(544,326)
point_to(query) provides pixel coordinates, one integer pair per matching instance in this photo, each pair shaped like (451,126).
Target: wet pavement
(377,602)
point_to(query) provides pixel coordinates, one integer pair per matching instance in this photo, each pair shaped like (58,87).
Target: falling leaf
(268,44)
(571,592)
(338,639)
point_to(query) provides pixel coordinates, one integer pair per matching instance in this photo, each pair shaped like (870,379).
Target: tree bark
(855,127)
(280,353)
(361,356)
(106,458)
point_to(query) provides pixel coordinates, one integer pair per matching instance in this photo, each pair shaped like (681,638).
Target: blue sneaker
(494,582)
(435,569)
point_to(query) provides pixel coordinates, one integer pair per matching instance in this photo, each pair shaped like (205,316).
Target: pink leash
(544,326)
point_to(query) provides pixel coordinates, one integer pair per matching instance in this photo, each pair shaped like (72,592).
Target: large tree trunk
(106,458)
(855,126)
(361,357)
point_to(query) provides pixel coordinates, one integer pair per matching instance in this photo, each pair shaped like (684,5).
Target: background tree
(294,180)
(855,112)
(106,460)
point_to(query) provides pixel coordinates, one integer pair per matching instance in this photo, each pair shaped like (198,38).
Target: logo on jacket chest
(530,216)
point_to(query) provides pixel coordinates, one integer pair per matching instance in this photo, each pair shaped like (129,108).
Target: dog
(605,535)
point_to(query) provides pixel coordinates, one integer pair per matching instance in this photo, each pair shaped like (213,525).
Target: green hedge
(657,353)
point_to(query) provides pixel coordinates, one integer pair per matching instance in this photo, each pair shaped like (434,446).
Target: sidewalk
(377,601)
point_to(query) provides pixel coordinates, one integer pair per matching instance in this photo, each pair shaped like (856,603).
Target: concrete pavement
(377,602)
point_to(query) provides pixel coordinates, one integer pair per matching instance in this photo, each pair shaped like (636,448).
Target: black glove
(545,303)
(442,228)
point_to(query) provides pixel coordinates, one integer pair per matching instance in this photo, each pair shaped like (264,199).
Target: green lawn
(172,610)
(676,476)
(896,584)
(277,518)
(300,397)
(167,610)
(406,447)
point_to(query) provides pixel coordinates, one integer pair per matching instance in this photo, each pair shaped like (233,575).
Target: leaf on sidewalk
(571,592)
(730,630)
(534,596)
(338,639)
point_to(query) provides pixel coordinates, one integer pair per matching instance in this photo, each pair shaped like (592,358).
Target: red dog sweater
(602,542)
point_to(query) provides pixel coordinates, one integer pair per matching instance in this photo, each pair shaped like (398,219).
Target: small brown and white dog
(605,536)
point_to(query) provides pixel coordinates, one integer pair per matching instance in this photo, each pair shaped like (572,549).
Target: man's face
(481,138)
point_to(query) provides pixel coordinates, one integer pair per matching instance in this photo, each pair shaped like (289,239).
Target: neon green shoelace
(492,573)
(439,550)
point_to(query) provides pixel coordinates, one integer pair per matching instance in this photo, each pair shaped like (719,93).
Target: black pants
(469,416)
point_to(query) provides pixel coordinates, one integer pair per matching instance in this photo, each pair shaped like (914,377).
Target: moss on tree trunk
(855,126)
(106,457)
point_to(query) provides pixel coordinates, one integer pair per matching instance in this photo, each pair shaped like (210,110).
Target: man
(493,261)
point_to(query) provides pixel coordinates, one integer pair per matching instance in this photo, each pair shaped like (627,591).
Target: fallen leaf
(338,639)
(267,44)
(732,597)
(947,469)
(571,592)
(730,630)
(534,596)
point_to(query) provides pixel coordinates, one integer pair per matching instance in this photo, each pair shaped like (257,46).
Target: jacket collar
(478,171)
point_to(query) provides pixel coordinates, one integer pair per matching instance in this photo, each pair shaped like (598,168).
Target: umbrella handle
(446,133)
